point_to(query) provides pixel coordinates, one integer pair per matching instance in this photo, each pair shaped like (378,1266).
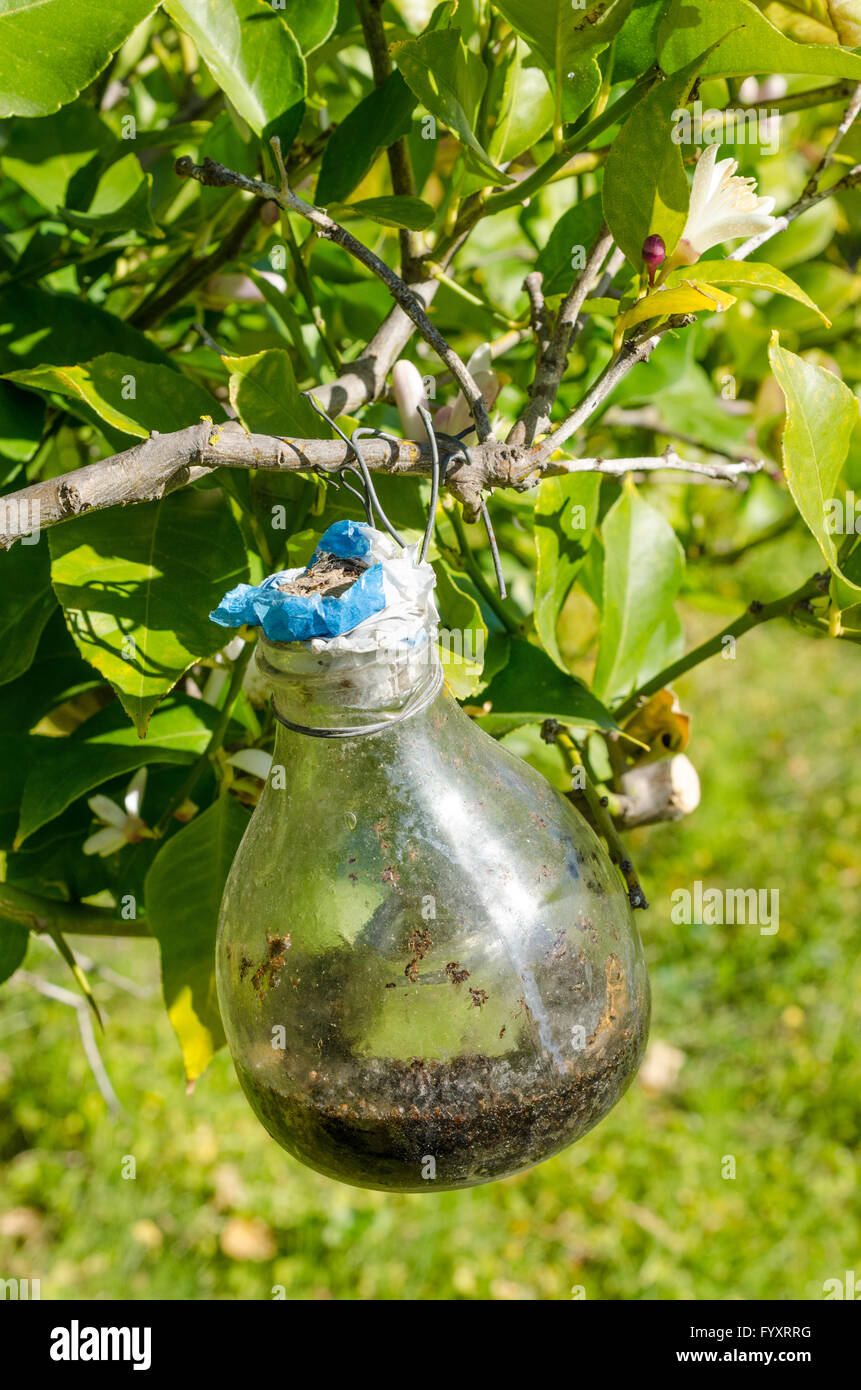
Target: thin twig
(801,205)
(398,154)
(632,351)
(594,807)
(844,126)
(753,616)
(554,361)
(85,1027)
(216,175)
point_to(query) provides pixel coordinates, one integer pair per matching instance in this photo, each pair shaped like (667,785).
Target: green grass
(639,1209)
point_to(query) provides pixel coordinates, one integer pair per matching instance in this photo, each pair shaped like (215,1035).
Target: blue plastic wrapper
(299,617)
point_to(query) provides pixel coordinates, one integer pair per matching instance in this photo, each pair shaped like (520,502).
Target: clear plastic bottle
(427,966)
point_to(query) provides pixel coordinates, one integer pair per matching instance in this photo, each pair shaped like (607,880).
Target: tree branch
(217,176)
(632,351)
(801,205)
(756,614)
(164,462)
(51,915)
(398,154)
(554,361)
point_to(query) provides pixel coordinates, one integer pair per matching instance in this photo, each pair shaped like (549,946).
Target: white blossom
(723,206)
(121,825)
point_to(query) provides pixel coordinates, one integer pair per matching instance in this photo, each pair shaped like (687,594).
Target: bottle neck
(335,692)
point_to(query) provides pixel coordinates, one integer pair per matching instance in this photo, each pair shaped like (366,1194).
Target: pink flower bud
(654,254)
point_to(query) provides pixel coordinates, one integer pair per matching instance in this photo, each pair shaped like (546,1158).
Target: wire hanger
(455,450)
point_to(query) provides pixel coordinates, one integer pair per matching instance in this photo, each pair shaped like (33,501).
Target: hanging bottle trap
(427,966)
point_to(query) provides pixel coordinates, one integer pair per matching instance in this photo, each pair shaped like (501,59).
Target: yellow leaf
(690,298)
(661,726)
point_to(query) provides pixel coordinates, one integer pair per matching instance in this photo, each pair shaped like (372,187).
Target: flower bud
(409,392)
(654,254)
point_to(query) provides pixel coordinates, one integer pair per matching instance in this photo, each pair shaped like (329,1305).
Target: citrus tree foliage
(674,394)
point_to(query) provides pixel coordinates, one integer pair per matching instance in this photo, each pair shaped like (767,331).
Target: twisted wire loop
(369,499)
(455,451)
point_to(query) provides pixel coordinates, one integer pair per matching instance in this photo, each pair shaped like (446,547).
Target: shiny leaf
(754,46)
(566,511)
(643,567)
(138,598)
(183,895)
(756,274)
(821,413)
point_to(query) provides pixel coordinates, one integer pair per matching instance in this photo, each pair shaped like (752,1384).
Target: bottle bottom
(434,1126)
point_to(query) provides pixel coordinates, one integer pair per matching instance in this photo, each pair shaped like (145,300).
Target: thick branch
(163,463)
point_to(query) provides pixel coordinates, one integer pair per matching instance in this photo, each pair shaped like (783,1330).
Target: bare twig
(542,393)
(85,1027)
(398,154)
(802,205)
(216,175)
(844,126)
(632,351)
(669,461)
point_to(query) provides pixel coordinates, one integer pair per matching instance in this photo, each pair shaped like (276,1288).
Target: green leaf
(43,156)
(310,21)
(757,274)
(22,419)
(183,895)
(449,80)
(131,396)
(530,689)
(821,413)
(51,50)
(755,47)
(566,511)
(637,44)
(253,57)
(643,567)
(14,940)
(391,211)
(55,674)
(463,632)
(381,118)
(567,39)
(37,326)
(26,604)
(121,203)
(521,105)
(646,188)
(138,598)
(264,394)
(562,259)
(65,769)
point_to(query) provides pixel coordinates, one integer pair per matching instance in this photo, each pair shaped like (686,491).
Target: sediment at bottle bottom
(476,1118)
